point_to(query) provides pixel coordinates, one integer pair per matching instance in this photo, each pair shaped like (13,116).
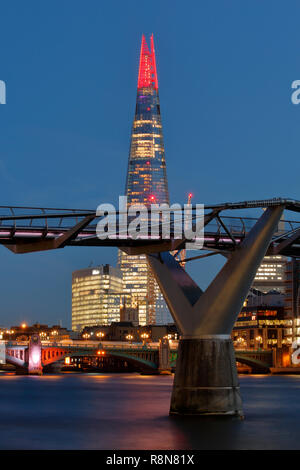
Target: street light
(100,334)
(144,337)
(259,340)
(241,341)
(129,338)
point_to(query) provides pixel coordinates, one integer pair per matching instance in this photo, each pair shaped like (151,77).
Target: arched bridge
(258,360)
(34,355)
(154,358)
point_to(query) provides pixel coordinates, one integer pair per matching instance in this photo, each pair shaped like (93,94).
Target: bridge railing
(94,345)
(38,222)
(104,345)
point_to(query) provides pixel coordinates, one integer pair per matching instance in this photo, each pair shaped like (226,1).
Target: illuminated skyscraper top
(147,70)
(146,176)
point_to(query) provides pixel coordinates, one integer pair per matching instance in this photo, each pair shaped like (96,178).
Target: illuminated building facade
(262,323)
(271,274)
(292,296)
(47,333)
(96,296)
(292,288)
(146,183)
(262,327)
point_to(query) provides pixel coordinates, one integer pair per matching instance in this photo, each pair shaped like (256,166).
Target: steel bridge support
(206,381)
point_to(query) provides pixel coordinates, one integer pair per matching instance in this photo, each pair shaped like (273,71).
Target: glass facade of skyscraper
(96,296)
(146,179)
(146,183)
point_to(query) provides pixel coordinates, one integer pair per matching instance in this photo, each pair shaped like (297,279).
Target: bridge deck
(25,229)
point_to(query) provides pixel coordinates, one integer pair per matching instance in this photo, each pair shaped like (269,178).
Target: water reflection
(118,411)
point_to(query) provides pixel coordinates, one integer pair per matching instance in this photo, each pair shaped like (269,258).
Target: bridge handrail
(94,345)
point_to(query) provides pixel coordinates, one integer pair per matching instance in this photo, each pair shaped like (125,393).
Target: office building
(263,326)
(271,274)
(146,183)
(96,296)
(292,296)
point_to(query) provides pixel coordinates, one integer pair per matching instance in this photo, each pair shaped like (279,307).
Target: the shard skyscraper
(146,183)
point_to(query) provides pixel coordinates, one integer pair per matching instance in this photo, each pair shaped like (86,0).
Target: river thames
(130,411)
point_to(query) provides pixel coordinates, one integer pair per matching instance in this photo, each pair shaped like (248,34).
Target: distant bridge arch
(142,359)
(258,360)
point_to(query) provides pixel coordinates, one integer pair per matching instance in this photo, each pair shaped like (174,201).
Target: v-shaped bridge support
(206,380)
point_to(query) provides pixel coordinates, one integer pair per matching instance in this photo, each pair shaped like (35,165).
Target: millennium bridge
(206,381)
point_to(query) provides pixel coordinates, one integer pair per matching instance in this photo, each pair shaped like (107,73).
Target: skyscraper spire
(147,69)
(146,177)
(154,61)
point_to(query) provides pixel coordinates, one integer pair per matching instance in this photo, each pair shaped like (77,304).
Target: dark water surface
(129,411)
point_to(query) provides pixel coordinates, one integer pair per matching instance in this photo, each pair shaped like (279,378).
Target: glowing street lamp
(144,337)
(129,338)
(241,341)
(100,334)
(259,340)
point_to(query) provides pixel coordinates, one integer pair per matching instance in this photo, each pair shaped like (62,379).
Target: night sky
(231,132)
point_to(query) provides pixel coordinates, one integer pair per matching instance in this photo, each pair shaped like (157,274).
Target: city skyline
(150,229)
(61,142)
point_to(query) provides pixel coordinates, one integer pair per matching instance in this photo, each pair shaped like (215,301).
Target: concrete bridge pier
(35,356)
(206,381)
(164,366)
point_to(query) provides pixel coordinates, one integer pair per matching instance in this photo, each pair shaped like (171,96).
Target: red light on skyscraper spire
(147,69)
(154,62)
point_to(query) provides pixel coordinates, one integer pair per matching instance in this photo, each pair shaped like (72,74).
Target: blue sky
(225,70)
